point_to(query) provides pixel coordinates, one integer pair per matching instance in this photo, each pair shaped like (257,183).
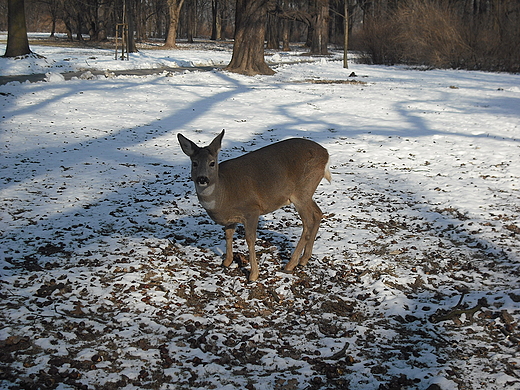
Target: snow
(111,273)
(56,60)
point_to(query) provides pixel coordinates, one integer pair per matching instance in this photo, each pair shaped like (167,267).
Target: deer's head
(204,162)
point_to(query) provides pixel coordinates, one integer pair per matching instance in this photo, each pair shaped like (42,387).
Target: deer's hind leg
(311,215)
(250,226)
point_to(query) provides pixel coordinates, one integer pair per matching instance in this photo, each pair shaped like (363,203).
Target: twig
(79,316)
(340,354)
(457,311)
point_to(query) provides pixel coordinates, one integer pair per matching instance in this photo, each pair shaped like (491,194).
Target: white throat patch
(205,193)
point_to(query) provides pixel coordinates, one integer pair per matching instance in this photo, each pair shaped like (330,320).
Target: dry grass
(441,34)
(430,34)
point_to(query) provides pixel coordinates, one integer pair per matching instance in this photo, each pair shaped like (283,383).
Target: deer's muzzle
(202,180)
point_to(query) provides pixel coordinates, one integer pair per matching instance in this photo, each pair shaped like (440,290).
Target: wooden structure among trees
(122,41)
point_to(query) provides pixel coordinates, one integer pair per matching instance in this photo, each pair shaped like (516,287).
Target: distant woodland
(468,34)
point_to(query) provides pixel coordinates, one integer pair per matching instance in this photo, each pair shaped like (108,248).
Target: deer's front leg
(229,230)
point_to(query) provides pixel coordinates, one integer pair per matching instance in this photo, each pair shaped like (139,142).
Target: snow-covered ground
(110,269)
(62,59)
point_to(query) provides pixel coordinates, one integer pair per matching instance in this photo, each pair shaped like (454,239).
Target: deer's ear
(188,147)
(215,145)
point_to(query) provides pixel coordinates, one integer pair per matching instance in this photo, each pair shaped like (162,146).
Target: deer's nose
(202,180)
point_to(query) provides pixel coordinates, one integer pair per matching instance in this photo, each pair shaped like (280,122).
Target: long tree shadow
(58,186)
(115,143)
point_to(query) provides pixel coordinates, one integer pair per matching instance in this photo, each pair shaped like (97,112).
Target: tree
(273,32)
(320,27)
(130,20)
(248,48)
(17,41)
(216,20)
(174,8)
(52,7)
(97,21)
(316,17)
(345,36)
(191,19)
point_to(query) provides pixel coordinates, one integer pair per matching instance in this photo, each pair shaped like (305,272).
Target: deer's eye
(194,164)
(212,164)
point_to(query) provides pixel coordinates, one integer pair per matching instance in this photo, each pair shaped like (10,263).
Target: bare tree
(53,8)
(273,32)
(17,41)
(174,8)
(316,17)
(216,22)
(191,19)
(130,17)
(285,30)
(345,34)
(248,48)
(319,20)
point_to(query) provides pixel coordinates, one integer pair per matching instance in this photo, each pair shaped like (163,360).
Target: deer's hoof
(252,277)
(227,262)
(303,263)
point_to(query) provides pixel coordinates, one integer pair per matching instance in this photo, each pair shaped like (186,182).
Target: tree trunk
(272,34)
(53,10)
(79,25)
(216,23)
(191,20)
(320,31)
(53,28)
(68,27)
(248,48)
(99,23)
(225,16)
(174,9)
(345,38)
(285,35)
(17,41)
(140,21)
(130,20)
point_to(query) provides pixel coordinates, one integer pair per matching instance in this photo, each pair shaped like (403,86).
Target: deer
(240,190)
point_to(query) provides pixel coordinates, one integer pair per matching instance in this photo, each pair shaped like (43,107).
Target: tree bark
(101,23)
(216,23)
(79,24)
(248,48)
(174,8)
(53,7)
(320,31)
(191,20)
(17,41)
(286,30)
(273,32)
(130,20)
(345,37)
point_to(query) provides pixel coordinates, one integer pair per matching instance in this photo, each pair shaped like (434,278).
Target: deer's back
(274,166)
(293,156)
